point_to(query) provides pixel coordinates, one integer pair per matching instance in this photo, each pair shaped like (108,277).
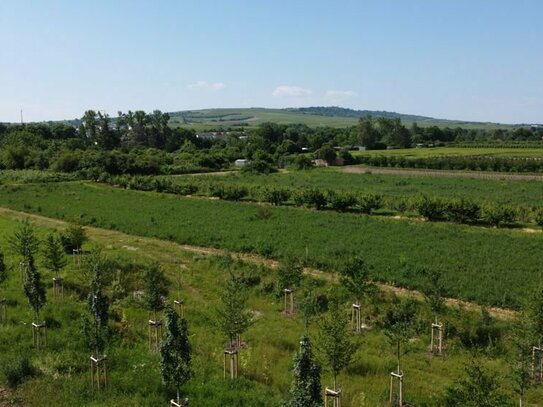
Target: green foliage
(289,274)
(156,287)
(399,325)
(276,196)
(53,252)
(463,211)
(18,370)
(175,352)
(232,316)
(538,216)
(431,208)
(3,269)
(355,277)
(477,388)
(433,290)
(315,198)
(340,201)
(499,215)
(334,341)
(34,288)
(73,238)
(24,241)
(96,331)
(306,386)
(369,203)
(303,162)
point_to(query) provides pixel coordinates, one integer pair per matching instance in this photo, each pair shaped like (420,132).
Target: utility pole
(22,117)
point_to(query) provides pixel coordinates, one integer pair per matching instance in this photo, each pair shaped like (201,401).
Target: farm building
(241,162)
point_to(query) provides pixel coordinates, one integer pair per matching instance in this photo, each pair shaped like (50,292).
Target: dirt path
(440,173)
(166,250)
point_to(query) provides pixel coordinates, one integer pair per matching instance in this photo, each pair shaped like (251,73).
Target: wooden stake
(58,287)
(436,339)
(288,308)
(232,356)
(39,334)
(334,396)
(398,377)
(155,333)
(356,319)
(98,372)
(537,363)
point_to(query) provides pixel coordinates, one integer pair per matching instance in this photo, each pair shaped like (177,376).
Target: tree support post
(231,356)
(537,363)
(356,318)
(333,397)
(23,269)
(58,287)
(39,334)
(396,392)
(179,403)
(155,333)
(288,308)
(98,372)
(3,310)
(179,306)
(436,340)
(76,256)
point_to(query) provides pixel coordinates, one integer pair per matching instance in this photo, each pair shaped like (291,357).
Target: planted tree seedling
(396,388)
(436,339)
(98,372)
(332,398)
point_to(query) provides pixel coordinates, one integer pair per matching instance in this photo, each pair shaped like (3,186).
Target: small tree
(433,290)
(399,326)
(33,287)
(24,241)
(175,352)
(355,277)
(308,306)
(522,358)
(289,274)
(477,388)
(156,288)
(96,331)
(334,342)
(233,318)
(306,386)
(54,258)
(73,238)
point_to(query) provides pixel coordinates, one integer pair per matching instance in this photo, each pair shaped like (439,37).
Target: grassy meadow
(61,368)
(503,191)
(490,266)
(505,152)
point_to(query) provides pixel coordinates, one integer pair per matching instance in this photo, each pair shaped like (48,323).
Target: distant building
(319,162)
(211,135)
(241,162)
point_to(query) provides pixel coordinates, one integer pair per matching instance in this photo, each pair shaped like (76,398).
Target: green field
(484,265)
(526,193)
(61,368)
(455,152)
(213,118)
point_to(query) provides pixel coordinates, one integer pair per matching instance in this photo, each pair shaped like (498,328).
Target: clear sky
(458,59)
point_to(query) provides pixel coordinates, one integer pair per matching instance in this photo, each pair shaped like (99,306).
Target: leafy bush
(276,196)
(228,192)
(431,208)
(370,202)
(340,201)
(73,238)
(18,370)
(499,215)
(463,211)
(538,216)
(315,198)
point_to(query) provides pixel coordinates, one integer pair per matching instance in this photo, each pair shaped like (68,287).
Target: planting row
(459,210)
(471,163)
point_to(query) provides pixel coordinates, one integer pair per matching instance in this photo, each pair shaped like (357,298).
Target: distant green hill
(311,116)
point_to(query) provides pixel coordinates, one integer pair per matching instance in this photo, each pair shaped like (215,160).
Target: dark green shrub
(340,201)
(370,202)
(18,370)
(463,211)
(315,198)
(538,216)
(276,196)
(431,208)
(499,215)
(73,238)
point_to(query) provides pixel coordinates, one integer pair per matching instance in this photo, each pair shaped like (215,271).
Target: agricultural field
(514,192)
(58,373)
(489,266)
(455,152)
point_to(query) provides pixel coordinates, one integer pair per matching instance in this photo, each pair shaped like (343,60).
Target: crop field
(515,192)
(455,152)
(491,266)
(60,375)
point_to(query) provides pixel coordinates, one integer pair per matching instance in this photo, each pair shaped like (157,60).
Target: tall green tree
(96,331)
(289,274)
(355,277)
(306,386)
(399,324)
(24,241)
(334,342)
(156,288)
(53,252)
(433,290)
(367,134)
(477,388)
(175,352)
(34,288)
(233,318)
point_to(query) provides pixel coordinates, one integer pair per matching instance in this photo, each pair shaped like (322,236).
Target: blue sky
(458,59)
